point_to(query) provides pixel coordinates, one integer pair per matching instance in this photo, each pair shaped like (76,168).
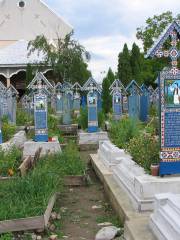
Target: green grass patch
(10,161)
(29,196)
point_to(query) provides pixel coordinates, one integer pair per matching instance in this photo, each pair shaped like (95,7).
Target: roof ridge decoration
(117,86)
(145,89)
(40,78)
(76,86)
(12,90)
(91,82)
(173,31)
(133,88)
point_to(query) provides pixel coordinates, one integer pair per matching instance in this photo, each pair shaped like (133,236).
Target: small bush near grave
(10,161)
(83,118)
(53,130)
(29,196)
(8,130)
(122,131)
(144,149)
(23,118)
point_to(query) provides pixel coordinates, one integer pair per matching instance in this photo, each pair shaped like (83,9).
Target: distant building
(20,22)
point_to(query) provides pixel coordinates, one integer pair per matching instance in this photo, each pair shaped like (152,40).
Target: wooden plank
(22,224)
(31,223)
(37,156)
(25,166)
(74,181)
(48,211)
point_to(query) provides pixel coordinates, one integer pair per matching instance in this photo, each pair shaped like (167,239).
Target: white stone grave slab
(140,187)
(18,140)
(92,138)
(31,147)
(165,221)
(110,154)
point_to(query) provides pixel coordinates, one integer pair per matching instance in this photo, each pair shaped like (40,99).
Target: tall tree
(136,63)
(65,56)
(110,76)
(124,66)
(153,28)
(106,97)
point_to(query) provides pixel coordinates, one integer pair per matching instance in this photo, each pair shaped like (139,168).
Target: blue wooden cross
(144,103)
(41,88)
(169,93)
(118,92)
(134,92)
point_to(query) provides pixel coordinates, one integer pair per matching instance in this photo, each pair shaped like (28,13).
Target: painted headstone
(40,86)
(134,92)
(77,98)
(83,101)
(169,92)
(92,99)
(97,88)
(12,94)
(3,100)
(144,103)
(151,91)
(67,103)
(94,91)
(59,99)
(118,92)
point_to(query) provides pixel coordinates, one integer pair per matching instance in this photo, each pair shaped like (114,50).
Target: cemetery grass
(10,161)
(8,130)
(29,196)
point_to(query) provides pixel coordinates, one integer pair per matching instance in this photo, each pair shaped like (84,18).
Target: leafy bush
(10,161)
(101,119)
(121,132)
(144,149)
(153,111)
(7,236)
(23,118)
(83,118)
(8,130)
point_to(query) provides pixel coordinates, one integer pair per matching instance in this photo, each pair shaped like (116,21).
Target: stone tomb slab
(165,220)
(92,138)
(31,147)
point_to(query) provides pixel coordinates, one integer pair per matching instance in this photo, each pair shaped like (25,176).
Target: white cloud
(103,26)
(105,52)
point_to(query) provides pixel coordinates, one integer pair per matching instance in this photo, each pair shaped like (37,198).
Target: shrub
(121,132)
(10,161)
(8,130)
(144,149)
(23,118)
(83,118)
(101,119)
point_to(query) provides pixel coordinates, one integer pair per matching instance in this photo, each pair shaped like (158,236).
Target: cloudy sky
(103,26)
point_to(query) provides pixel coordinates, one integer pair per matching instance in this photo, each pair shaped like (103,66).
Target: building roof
(17,54)
(28,20)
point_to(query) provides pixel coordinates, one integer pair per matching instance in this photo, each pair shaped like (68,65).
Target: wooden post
(8,82)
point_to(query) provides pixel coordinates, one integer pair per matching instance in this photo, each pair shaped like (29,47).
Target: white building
(20,22)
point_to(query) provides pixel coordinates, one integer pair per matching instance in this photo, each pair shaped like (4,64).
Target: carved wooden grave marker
(169,92)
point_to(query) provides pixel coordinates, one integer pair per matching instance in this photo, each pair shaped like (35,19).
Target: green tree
(124,66)
(29,74)
(110,76)
(66,57)
(106,97)
(136,63)
(153,28)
